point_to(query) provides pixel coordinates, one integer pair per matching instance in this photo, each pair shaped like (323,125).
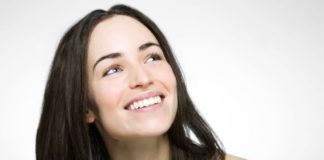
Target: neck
(157,148)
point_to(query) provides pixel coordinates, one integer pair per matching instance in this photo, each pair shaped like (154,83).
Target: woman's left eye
(153,57)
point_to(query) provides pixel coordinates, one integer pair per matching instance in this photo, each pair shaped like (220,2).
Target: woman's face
(130,80)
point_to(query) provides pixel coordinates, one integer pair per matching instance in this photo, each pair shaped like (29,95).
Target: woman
(115,91)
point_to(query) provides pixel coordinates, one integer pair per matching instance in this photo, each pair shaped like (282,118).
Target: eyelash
(118,68)
(154,55)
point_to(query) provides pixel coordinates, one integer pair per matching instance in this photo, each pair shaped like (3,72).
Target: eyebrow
(147,45)
(116,54)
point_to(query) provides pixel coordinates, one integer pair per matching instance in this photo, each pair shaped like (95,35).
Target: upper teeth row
(145,102)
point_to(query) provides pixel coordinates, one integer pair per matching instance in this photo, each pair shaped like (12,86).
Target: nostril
(141,83)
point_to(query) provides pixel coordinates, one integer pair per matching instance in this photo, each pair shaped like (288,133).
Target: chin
(153,130)
(148,131)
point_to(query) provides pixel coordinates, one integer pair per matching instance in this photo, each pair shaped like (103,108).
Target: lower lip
(151,108)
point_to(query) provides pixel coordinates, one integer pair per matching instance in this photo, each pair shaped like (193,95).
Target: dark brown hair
(63,133)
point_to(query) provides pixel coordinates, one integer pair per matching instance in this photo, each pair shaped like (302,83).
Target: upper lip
(145,95)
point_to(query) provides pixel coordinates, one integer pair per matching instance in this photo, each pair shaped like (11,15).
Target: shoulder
(231,157)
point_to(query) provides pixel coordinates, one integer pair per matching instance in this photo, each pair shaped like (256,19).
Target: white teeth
(139,104)
(158,100)
(145,103)
(151,100)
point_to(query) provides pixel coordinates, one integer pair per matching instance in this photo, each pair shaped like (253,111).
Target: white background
(255,69)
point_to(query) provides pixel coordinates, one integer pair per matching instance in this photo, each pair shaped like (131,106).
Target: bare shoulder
(231,157)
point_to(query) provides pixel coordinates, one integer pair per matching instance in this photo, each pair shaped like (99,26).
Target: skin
(114,82)
(138,70)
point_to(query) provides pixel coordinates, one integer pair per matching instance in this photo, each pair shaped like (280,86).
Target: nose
(140,78)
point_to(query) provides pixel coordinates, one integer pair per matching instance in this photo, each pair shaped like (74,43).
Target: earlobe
(90,116)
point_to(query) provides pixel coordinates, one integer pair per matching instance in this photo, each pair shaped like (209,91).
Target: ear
(90,116)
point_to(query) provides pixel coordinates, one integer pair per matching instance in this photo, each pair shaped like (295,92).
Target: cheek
(107,95)
(169,79)
(171,84)
(110,113)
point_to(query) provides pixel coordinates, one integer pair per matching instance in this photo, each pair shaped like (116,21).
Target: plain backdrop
(254,68)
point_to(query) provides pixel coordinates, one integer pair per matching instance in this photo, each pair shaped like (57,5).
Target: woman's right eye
(112,70)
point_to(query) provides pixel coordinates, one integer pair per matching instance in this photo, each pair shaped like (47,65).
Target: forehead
(118,34)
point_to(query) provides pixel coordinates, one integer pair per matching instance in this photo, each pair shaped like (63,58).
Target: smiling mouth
(144,103)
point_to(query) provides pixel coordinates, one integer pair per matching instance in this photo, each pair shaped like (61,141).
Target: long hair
(63,132)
